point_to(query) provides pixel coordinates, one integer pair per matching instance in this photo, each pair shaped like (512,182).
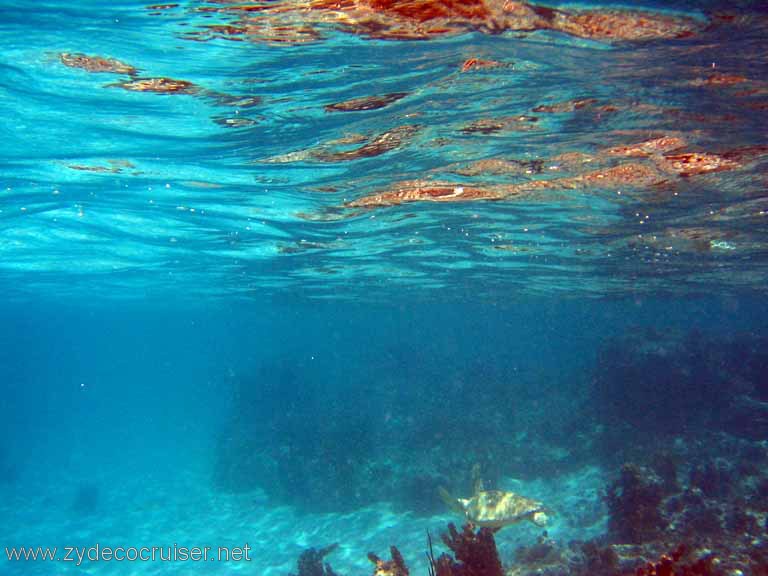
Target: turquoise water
(200,203)
(318,269)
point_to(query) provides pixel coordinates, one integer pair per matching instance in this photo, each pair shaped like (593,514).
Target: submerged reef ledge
(676,422)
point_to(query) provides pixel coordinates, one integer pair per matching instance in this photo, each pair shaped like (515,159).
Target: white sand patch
(185,512)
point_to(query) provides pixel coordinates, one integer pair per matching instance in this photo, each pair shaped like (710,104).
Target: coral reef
(716,511)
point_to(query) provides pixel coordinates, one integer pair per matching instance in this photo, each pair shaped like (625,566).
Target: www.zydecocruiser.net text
(98,553)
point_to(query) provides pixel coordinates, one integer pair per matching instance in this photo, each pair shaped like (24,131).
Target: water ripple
(291,152)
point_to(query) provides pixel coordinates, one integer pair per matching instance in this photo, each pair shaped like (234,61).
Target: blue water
(204,341)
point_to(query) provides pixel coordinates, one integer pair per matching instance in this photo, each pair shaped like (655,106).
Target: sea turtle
(496,508)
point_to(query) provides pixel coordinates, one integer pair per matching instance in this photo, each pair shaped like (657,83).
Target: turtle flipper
(450,501)
(477,480)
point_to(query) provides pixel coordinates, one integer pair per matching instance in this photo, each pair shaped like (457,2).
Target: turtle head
(540,518)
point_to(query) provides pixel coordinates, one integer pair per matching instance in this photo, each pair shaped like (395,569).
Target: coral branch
(394,567)
(475,554)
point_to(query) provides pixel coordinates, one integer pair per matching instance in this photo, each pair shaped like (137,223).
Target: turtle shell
(496,508)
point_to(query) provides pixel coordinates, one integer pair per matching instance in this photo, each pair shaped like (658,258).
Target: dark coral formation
(310,562)
(474,553)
